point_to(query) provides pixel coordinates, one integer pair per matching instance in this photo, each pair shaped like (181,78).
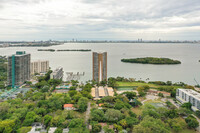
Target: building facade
(189,95)
(57,74)
(99,66)
(39,67)
(18,68)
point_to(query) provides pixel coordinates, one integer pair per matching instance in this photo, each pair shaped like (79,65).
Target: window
(177,92)
(185,97)
(182,95)
(198,104)
(193,102)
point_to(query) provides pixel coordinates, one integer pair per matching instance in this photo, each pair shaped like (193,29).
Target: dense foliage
(3,71)
(42,105)
(192,122)
(152,60)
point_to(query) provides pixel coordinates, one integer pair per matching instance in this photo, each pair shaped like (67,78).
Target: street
(87,115)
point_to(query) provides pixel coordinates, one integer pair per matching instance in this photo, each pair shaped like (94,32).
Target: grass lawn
(154,101)
(188,131)
(121,88)
(136,84)
(137,111)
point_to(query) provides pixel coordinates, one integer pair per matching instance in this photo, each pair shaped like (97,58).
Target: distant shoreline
(48,44)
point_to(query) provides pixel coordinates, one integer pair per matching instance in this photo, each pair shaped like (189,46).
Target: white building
(189,95)
(57,74)
(52,129)
(39,67)
(65,130)
(37,128)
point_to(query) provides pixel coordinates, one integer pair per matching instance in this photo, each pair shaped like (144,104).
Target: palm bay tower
(18,68)
(99,66)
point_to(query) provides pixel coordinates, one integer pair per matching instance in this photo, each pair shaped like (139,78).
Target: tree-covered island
(151,60)
(60,50)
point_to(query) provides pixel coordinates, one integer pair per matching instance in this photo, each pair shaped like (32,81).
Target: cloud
(122,19)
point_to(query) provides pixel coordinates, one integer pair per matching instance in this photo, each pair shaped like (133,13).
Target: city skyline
(99,20)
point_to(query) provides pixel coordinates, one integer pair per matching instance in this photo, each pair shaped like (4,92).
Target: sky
(99,20)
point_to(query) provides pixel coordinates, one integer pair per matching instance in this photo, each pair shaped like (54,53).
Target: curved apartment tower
(99,66)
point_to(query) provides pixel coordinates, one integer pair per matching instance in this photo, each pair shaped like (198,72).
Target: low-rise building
(100,92)
(52,129)
(65,130)
(69,107)
(57,74)
(189,95)
(37,128)
(100,105)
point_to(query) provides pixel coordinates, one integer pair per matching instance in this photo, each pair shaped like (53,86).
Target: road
(87,115)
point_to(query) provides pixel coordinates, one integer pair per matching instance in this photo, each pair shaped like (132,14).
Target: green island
(83,50)
(60,50)
(151,60)
(51,50)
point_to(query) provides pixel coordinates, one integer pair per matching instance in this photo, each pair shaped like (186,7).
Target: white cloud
(109,19)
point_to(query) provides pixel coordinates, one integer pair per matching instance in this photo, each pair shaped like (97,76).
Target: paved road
(87,116)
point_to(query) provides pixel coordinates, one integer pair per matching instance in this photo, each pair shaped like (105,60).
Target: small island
(82,50)
(60,50)
(151,60)
(51,50)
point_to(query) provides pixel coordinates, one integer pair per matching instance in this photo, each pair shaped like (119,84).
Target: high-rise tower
(99,66)
(18,68)
(39,67)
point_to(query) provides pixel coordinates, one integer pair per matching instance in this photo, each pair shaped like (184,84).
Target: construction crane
(196,82)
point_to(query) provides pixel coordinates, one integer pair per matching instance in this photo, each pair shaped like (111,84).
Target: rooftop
(101,91)
(52,129)
(20,52)
(100,52)
(101,104)
(105,124)
(68,105)
(192,93)
(57,69)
